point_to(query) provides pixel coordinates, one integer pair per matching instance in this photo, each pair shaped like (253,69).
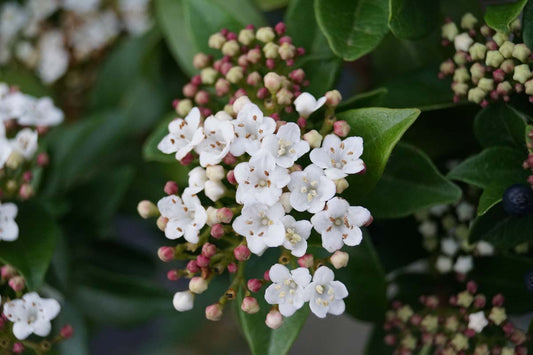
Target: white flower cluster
(30,35)
(269,185)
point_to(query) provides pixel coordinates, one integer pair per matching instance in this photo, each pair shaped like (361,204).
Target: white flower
(81,7)
(306,104)
(31,314)
(96,32)
(25,143)
(183,301)
(40,113)
(250,127)
(287,288)
(325,295)
(9,229)
(197,179)
(463,264)
(449,246)
(484,248)
(286,145)
(296,234)
(260,180)
(465,211)
(13,17)
(428,228)
(310,189)
(185,217)
(444,264)
(462,42)
(41,9)
(477,321)
(54,58)
(12,105)
(261,225)
(184,135)
(219,136)
(340,224)
(339,158)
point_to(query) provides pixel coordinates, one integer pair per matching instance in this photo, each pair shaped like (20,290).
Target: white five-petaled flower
(286,146)
(287,288)
(339,158)
(250,128)
(25,143)
(31,314)
(5,146)
(310,189)
(463,264)
(306,104)
(477,321)
(41,112)
(197,179)
(184,135)
(261,225)
(260,180)
(324,294)
(9,229)
(296,234)
(340,224)
(219,136)
(185,216)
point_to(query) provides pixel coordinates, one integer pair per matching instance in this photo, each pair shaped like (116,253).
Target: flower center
(292,236)
(338,222)
(265,221)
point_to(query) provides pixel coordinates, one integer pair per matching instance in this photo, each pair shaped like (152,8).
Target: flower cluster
(464,324)
(488,65)
(261,179)
(48,36)
(445,231)
(26,313)
(22,119)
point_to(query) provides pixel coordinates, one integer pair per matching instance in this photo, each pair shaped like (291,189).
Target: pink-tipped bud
(7,272)
(302,122)
(200,61)
(285,39)
(209,250)
(229,159)
(254,285)
(217,231)
(250,305)
(27,176)
(225,215)
(213,312)
(18,348)
(232,268)
(202,98)
(497,300)
(266,275)
(390,339)
(469,333)
(66,331)
(272,82)
(43,159)
(171,188)
(253,79)
(339,259)
(17,283)
(166,254)
(222,87)
(274,319)
(189,90)
(508,328)
(280,28)
(196,80)
(297,75)
(333,98)
(26,191)
(147,209)
(192,266)
(231,177)
(471,287)
(173,275)
(162,223)
(341,128)
(242,253)
(479,301)
(202,261)
(187,159)
(306,261)
(262,93)
(270,63)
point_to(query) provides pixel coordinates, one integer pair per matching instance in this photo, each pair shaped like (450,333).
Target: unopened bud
(216,41)
(468,21)
(66,331)
(477,51)
(209,250)
(183,301)
(333,98)
(339,259)
(521,52)
(506,49)
(313,138)
(239,103)
(184,107)
(202,261)
(249,305)
(494,58)
(265,34)
(254,285)
(166,254)
(232,268)
(461,75)
(486,84)
(214,190)
(215,172)
(341,185)
(449,31)
(306,261)
(200,60)
(17,283)
(274,319)
(271,50)
(500,38)
(147,209)
(242,253)
(285,201)
(246,36)
(234,75)
(287,51)
(7,272)
(272,82)
(476,95)
(341,128)
(225,215)
(162,223)
(522,73)
(212,218)
(198,285)
(213,312)
(254,55)
(208,75)
(171,188)
(284,97)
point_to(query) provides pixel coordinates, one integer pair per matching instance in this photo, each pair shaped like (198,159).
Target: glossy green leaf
(32,252)
(527,25)
(374,98)
(412,182)
(411,19)
(25,80)
(187,24)
(320,64)
(500,125)
(494,169)
(269,5)
(381,129)
(500,16)
(353,28)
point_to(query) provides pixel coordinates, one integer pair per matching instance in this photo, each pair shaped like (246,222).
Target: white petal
(301,276)
(323,275)
(279,273)
(21,330)
(318,309)
(339,288)
(287,309)
(337,307)
(42,328)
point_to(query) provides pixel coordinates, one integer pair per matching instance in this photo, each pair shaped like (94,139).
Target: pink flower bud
(27,176)
(171,188)
(162,223)
(232,268)
(272,81)
(254,55)
(209,250)
(202,98)
(196,80)
(166,254)
(254,285)
(508,328)
(7,272)
(26,191)
(18,348)
(333,98)
(202,261)
(242,253)
(270,63)
(497,300)
(231,177)
(390,339)
(479,301)
(249,305)
(222,87)
(341,128)
(297,75)
(189,90)
(192,266)
(225,215)
(217,231)
(187,159)
(43,159)
(280,28)
(229,159)
(200,61)
(173,275)
(66,331)
(274,319)
(17,283)
(471,287)
(339,259)
(262,93)
(285,39)
(302,122)
(306,261)
(469,333)
(213,312)
(266,275)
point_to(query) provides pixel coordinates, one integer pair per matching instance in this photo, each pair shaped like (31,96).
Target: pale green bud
(486,84)
(506,49)
(460,89)
(468,21)
(500,37)
(477,51)
(246,36)
(529,87)
(265,34)
(216,41)
(449,31)
(521,52)
(476,95)
(461,75)
(231,48)
(184,107)
(494,58)
(271,50)
(522,73)
(208,75)
(234,75)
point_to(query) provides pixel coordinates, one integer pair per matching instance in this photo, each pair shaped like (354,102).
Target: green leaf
(269,5)
(500,16)
(187,24)
(353,28)
(494,170)
(527,25)
(32,252)
(411,19)
(412,182)
(372,98)
(320,64)
(365,279)
(381,129)
(150,150)
(502,230)
(25,80)
(500,125)
(263,340)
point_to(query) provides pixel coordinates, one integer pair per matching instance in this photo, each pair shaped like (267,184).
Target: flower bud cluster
(466,323)
(528,163)
(487,65)
(445,231)
(260,177)
(50,36)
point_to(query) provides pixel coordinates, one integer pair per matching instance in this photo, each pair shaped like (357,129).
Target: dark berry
(528,279)
(518,200)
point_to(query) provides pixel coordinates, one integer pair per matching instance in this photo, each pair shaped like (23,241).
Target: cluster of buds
(465,324)
(488,65)
(528,163)
(256,63)
(247,193)
(445,231)
(24,313)
(48,36)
